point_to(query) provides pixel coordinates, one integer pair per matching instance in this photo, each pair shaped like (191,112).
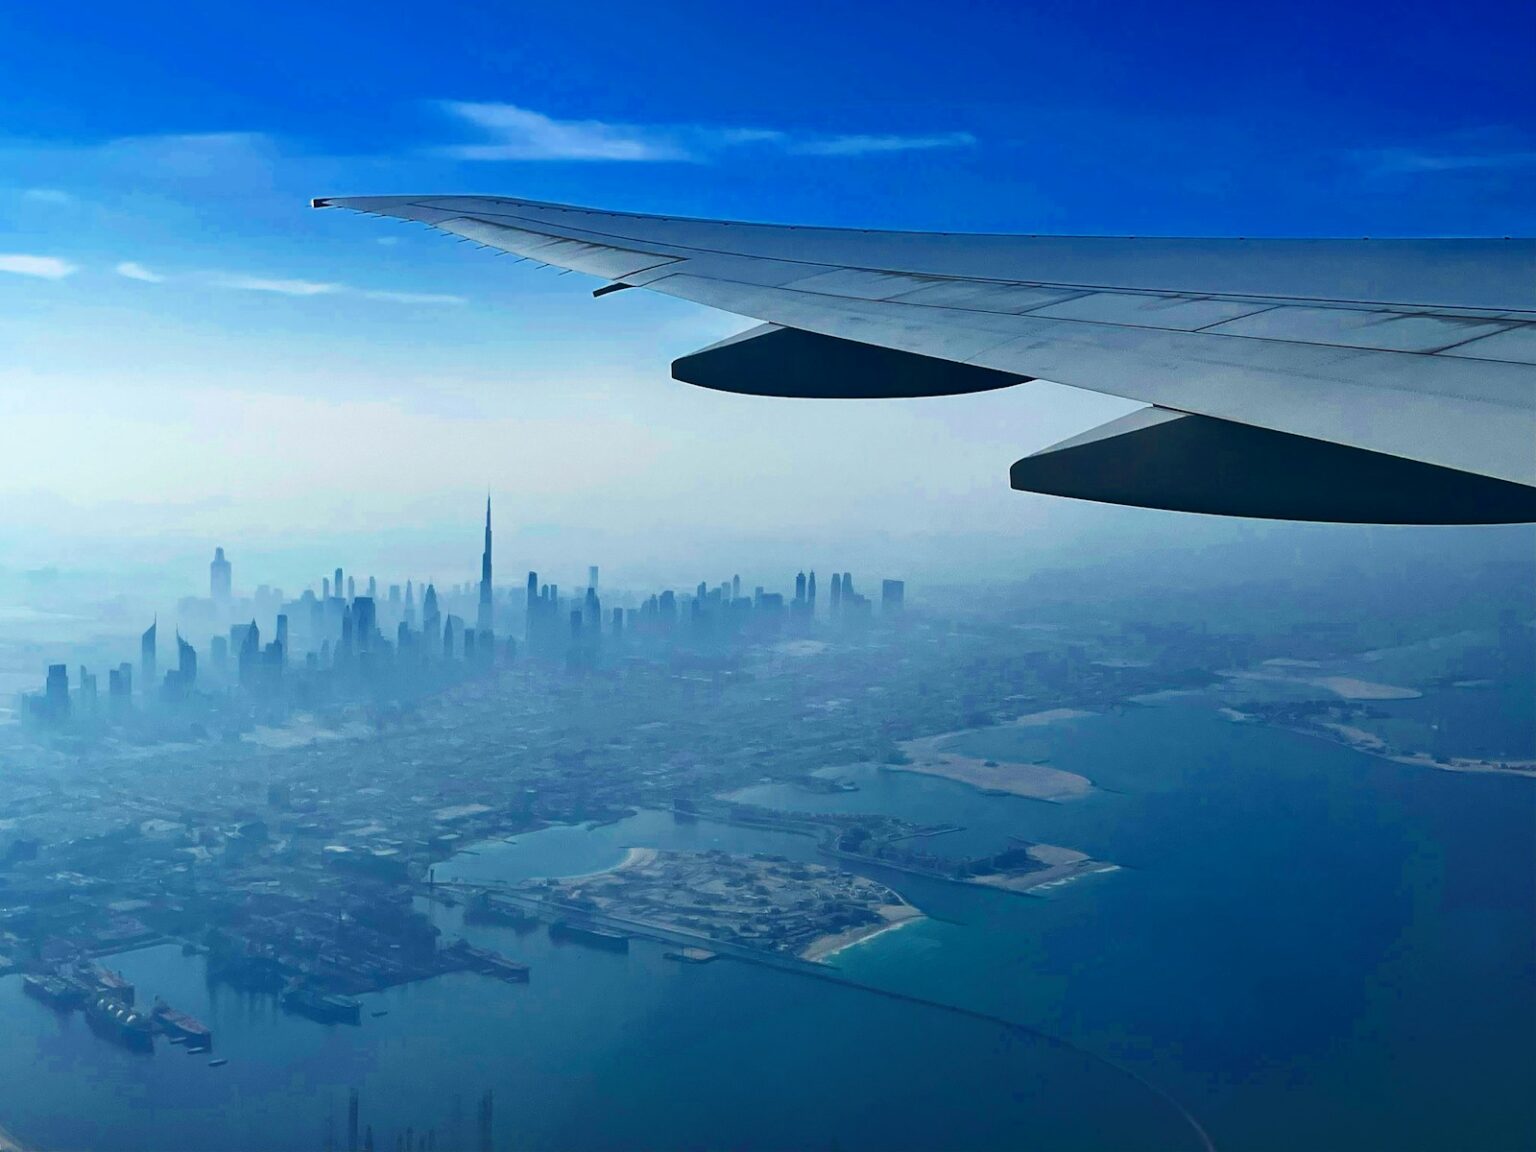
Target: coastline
(1062,865)
(1359,740)
(894,916)
(9,1143)
(633,858)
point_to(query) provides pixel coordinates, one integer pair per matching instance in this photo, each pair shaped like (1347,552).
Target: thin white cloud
(305,288)
(135,271)
(43,267)
(864,145)
(415,297)
(522,134)
(56,196)
(1409,160)
(281,287)
(1490,149)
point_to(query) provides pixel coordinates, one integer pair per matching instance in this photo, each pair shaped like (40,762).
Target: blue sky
(187,353)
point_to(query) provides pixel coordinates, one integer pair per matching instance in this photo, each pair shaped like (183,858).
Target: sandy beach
(893,916)
(929,756)
(633,858)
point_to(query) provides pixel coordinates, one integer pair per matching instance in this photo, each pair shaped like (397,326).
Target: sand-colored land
(1362,741)
(891,916)
(9,1143)
(633,858)
(1352,689)
(1049,716)
(930,757)
(1061,864)
(1346,687)
(303,730)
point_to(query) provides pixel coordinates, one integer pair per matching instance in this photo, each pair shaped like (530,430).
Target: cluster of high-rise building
(321,641)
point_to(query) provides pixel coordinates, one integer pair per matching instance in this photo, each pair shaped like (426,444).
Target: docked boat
(106,982)
(52,991)
(482,908)
(110,1017)
(489,963)
(586,934)
(181,1028)
(321,1006)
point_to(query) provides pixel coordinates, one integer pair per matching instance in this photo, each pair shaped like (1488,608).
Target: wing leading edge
(1362,381)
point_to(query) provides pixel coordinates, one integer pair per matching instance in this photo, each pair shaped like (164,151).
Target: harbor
(107,1002)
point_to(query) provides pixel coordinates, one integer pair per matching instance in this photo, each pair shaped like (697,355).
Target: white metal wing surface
(1354,380)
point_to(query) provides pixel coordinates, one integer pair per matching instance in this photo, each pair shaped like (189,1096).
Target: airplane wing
(1365,381)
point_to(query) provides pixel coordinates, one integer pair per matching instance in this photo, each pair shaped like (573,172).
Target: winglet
(320,202)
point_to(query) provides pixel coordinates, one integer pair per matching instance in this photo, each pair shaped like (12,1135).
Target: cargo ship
(481,909)
(490,963)
(586,934)
(180,1027)
(52,991)
(322,1006)
(105,981)
(110,1017)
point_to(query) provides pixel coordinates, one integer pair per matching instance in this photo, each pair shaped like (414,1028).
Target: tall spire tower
(483,622)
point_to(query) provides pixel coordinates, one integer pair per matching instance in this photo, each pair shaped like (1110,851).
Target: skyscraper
(364,623)
(431,622)
(893,595)
(336,584)
(483,619)
(592,577)
(147,656)
(186,663)
(250,655)
(810,589)
(56,695)
(220,582)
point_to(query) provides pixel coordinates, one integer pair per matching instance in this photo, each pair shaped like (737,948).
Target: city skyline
(339,626)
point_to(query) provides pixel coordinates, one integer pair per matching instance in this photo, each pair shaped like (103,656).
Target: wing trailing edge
(1156,458)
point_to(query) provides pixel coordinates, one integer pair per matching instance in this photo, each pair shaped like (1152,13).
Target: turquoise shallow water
(1306,946)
